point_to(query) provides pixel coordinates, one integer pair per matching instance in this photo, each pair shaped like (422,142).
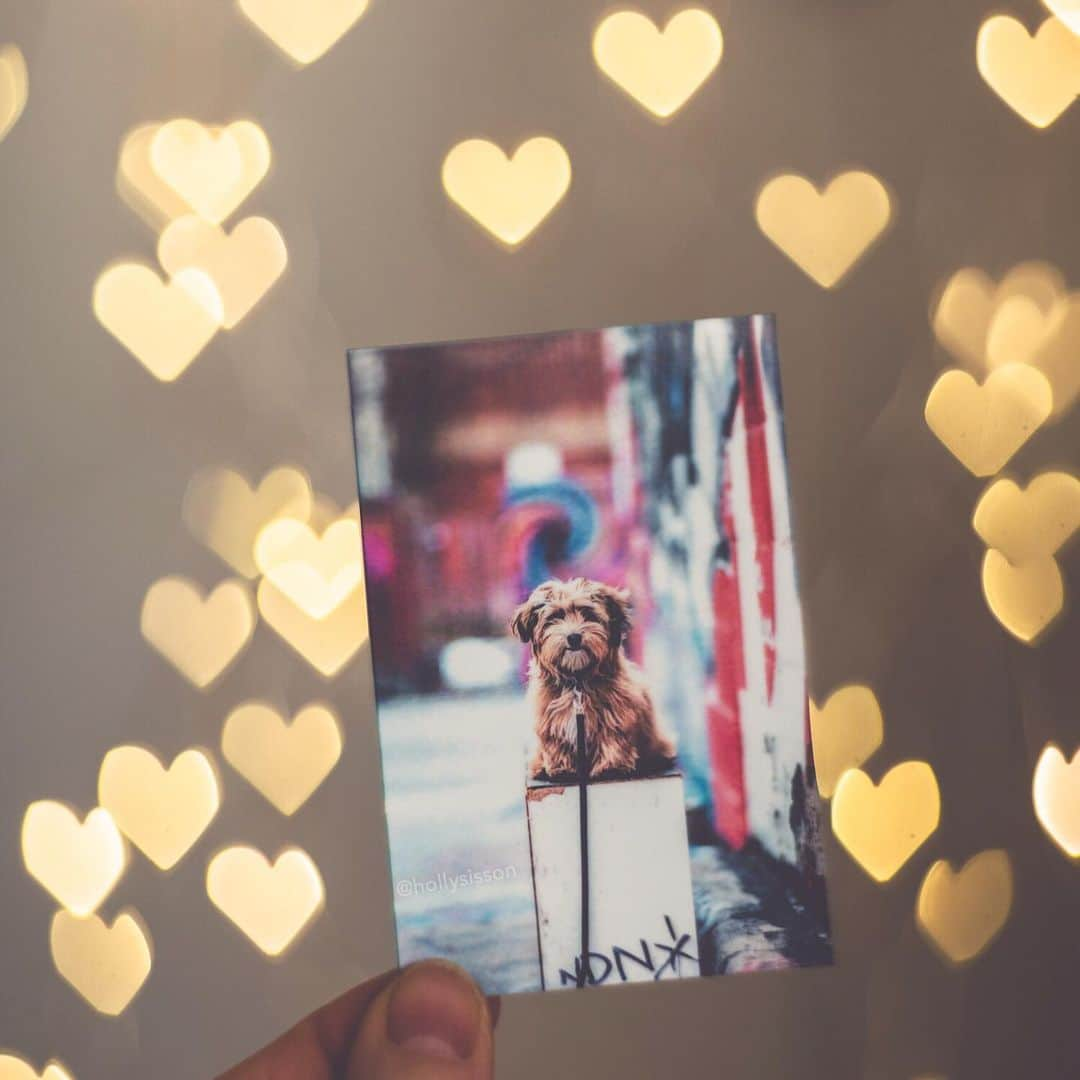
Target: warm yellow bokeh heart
(107,965)
(883,825)
(303,31)
(164,325)
(1025,598)
(316,573)
(226,513)
(659,69)
(1032,522)
(1037,76)
(961,913)
(982,426)
(200,636)
(285,762)
(1055,792)
(326,644)
(139,186)
(79,862)
(824,232)
(844,731)
(972,309)
(15,1068)
(271,903)
(509,197)
(213,169)
(243,264)
(161,811)
(1068,11)
(14,87)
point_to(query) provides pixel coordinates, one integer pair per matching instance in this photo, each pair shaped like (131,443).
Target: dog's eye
(558,613)
(588,614)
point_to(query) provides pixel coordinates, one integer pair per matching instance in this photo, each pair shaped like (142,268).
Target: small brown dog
(576,629)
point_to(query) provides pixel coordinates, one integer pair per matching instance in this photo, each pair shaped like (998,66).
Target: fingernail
(434,1010)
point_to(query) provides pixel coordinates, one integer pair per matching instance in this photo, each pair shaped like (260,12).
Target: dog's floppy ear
(618,606)
(527,615)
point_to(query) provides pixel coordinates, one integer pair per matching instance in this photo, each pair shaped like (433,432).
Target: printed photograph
(588,655)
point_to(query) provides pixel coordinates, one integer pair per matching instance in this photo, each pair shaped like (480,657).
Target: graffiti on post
(659,958)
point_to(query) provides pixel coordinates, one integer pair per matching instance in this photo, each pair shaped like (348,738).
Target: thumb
(431,1022)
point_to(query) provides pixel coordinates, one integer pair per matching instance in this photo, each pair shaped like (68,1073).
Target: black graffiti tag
(595,968)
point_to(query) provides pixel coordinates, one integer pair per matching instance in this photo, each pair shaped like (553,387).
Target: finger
(431,1022)
(324,1037)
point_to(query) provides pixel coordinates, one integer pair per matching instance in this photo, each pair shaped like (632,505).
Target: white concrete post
(641,906)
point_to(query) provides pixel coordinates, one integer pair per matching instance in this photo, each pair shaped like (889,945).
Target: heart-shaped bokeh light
(659,69)
(199,635)
(825,233)
(508,196)
(164,325)
(161,811)
(270,902)
(106,964)
(1025,598)
(1036,75)
(982,426)
(962,912)
(79,862)
(1055,792)
(1032,522)
(285,762)
(883,825)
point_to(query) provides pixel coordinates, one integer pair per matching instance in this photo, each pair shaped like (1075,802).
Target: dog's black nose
(573,640)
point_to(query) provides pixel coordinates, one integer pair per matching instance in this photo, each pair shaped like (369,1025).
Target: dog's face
(575,627)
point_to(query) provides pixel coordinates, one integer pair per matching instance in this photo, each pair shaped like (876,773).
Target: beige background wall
(658,224)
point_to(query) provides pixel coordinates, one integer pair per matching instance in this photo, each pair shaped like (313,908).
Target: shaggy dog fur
(576,629)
